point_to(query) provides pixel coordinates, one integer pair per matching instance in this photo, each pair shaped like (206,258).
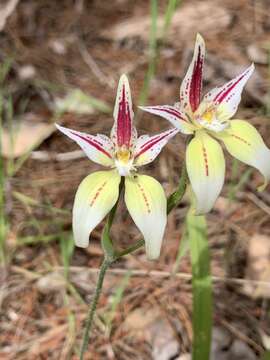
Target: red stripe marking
(148,145)
(224,93)
(173,112)
(195,88)
(144,198)
(241,139)
(97,193)
(123,121)
(205,161)
(93,143)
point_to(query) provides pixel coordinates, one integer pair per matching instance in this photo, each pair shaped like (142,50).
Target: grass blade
(266,355)
(2,204)
(182,251)
(67,249)
(171,7)
(201,286)
(153,55)
(116,300)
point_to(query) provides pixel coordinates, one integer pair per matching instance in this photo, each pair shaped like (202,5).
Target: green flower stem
(111,255)
(202,317)
(106,241)
(130,249)
(90,317)
(175,198)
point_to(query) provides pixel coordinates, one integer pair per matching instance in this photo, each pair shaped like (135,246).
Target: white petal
(228,96)
(206,170)
(174,115)
(95,197)
(191,87)
(148,147)
(123,131)
(98,148)
(146,203)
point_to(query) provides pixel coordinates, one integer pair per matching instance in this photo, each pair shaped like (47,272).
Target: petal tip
(199,38)
(262,187)
(251,69)
(152,258)
(123,79)
(81,245)
(152,253)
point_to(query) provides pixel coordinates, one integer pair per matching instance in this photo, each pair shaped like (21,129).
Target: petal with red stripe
(191,87)
(244,142)
(98,148)
(148,147)
(228,96)
(175,116)
(146,203)
(95,197)
(123,132)
(206,170)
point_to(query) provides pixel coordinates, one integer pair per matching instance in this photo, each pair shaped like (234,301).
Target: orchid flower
(207,119)
(122,153)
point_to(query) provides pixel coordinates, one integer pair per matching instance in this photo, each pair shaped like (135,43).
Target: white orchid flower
(122,152)
(207,119)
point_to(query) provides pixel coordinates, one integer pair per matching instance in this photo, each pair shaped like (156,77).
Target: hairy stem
(92,309)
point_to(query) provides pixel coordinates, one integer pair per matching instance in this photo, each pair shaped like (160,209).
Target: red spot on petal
(205,158)
(97,193)
(226,91)
(241,139)
(144,198)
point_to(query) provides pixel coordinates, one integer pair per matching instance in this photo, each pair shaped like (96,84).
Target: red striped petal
(148,148)
(98,148)
(191,87)
(123,132)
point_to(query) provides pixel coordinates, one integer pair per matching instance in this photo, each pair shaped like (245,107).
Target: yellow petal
(244,142)
(95,197)
(146,203)
(206,170)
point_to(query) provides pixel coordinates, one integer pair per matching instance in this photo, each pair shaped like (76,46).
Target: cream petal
(206,170)
(244,142)
(95,197)
(146,203)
